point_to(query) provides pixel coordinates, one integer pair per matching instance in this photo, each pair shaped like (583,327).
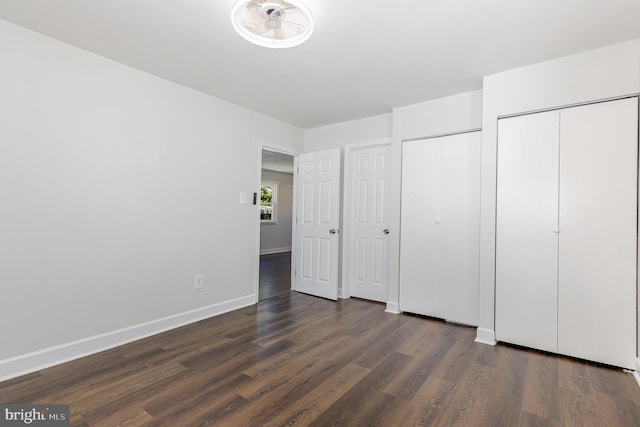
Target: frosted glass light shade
(272,23)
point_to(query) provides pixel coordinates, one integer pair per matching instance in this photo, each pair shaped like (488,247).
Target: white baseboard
(486,336)
(274,251)
(393,307)
(636,373)
(31,362)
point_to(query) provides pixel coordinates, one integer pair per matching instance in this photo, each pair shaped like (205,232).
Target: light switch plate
(199,281)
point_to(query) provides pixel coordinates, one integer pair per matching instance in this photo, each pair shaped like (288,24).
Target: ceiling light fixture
(272,23)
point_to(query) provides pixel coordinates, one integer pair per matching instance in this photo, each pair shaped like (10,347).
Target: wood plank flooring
(294,359)
(275,275)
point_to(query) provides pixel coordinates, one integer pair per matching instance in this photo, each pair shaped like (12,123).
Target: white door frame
(262,145)
(345,291)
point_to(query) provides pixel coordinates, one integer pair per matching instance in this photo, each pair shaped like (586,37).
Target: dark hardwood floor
(294,359)
(275,275)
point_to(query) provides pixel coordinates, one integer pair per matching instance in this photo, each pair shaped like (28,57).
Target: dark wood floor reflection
(275,274)
(298,360)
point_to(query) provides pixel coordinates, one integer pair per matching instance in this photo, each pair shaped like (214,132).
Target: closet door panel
(420,240)
(460,227)
(598,231)
(526,221)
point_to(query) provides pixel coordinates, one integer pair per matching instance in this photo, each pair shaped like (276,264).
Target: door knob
(385,231)
(333,231)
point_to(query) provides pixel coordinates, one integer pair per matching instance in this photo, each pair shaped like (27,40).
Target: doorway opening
(276,223)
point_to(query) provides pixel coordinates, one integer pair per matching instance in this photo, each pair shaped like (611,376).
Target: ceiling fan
(272,23)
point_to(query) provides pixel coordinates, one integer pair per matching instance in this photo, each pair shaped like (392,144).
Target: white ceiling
(364,58)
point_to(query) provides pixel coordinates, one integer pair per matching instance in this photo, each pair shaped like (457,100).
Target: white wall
(117,188)
(276,237)
(440,116)
(593,75)
(340,134)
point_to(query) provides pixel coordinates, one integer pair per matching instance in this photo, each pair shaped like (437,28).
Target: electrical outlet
(199,284)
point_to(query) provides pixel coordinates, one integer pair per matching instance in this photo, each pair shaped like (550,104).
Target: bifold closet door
(420,231)
(460,226)
(439,255)
(598,232)
(526,230)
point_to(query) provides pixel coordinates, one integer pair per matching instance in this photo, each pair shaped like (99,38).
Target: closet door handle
(437,220)
(556,230)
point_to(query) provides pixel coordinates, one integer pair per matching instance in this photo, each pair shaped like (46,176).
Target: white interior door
(598,220)
(526,230)
(369,222)
(318,210)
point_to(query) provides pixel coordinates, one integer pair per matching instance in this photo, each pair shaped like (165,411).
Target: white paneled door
(369,244)
(317,222)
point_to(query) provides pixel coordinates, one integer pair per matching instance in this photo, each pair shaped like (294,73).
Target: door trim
(344,291)
(263,145)
(441,135)
(565,106)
